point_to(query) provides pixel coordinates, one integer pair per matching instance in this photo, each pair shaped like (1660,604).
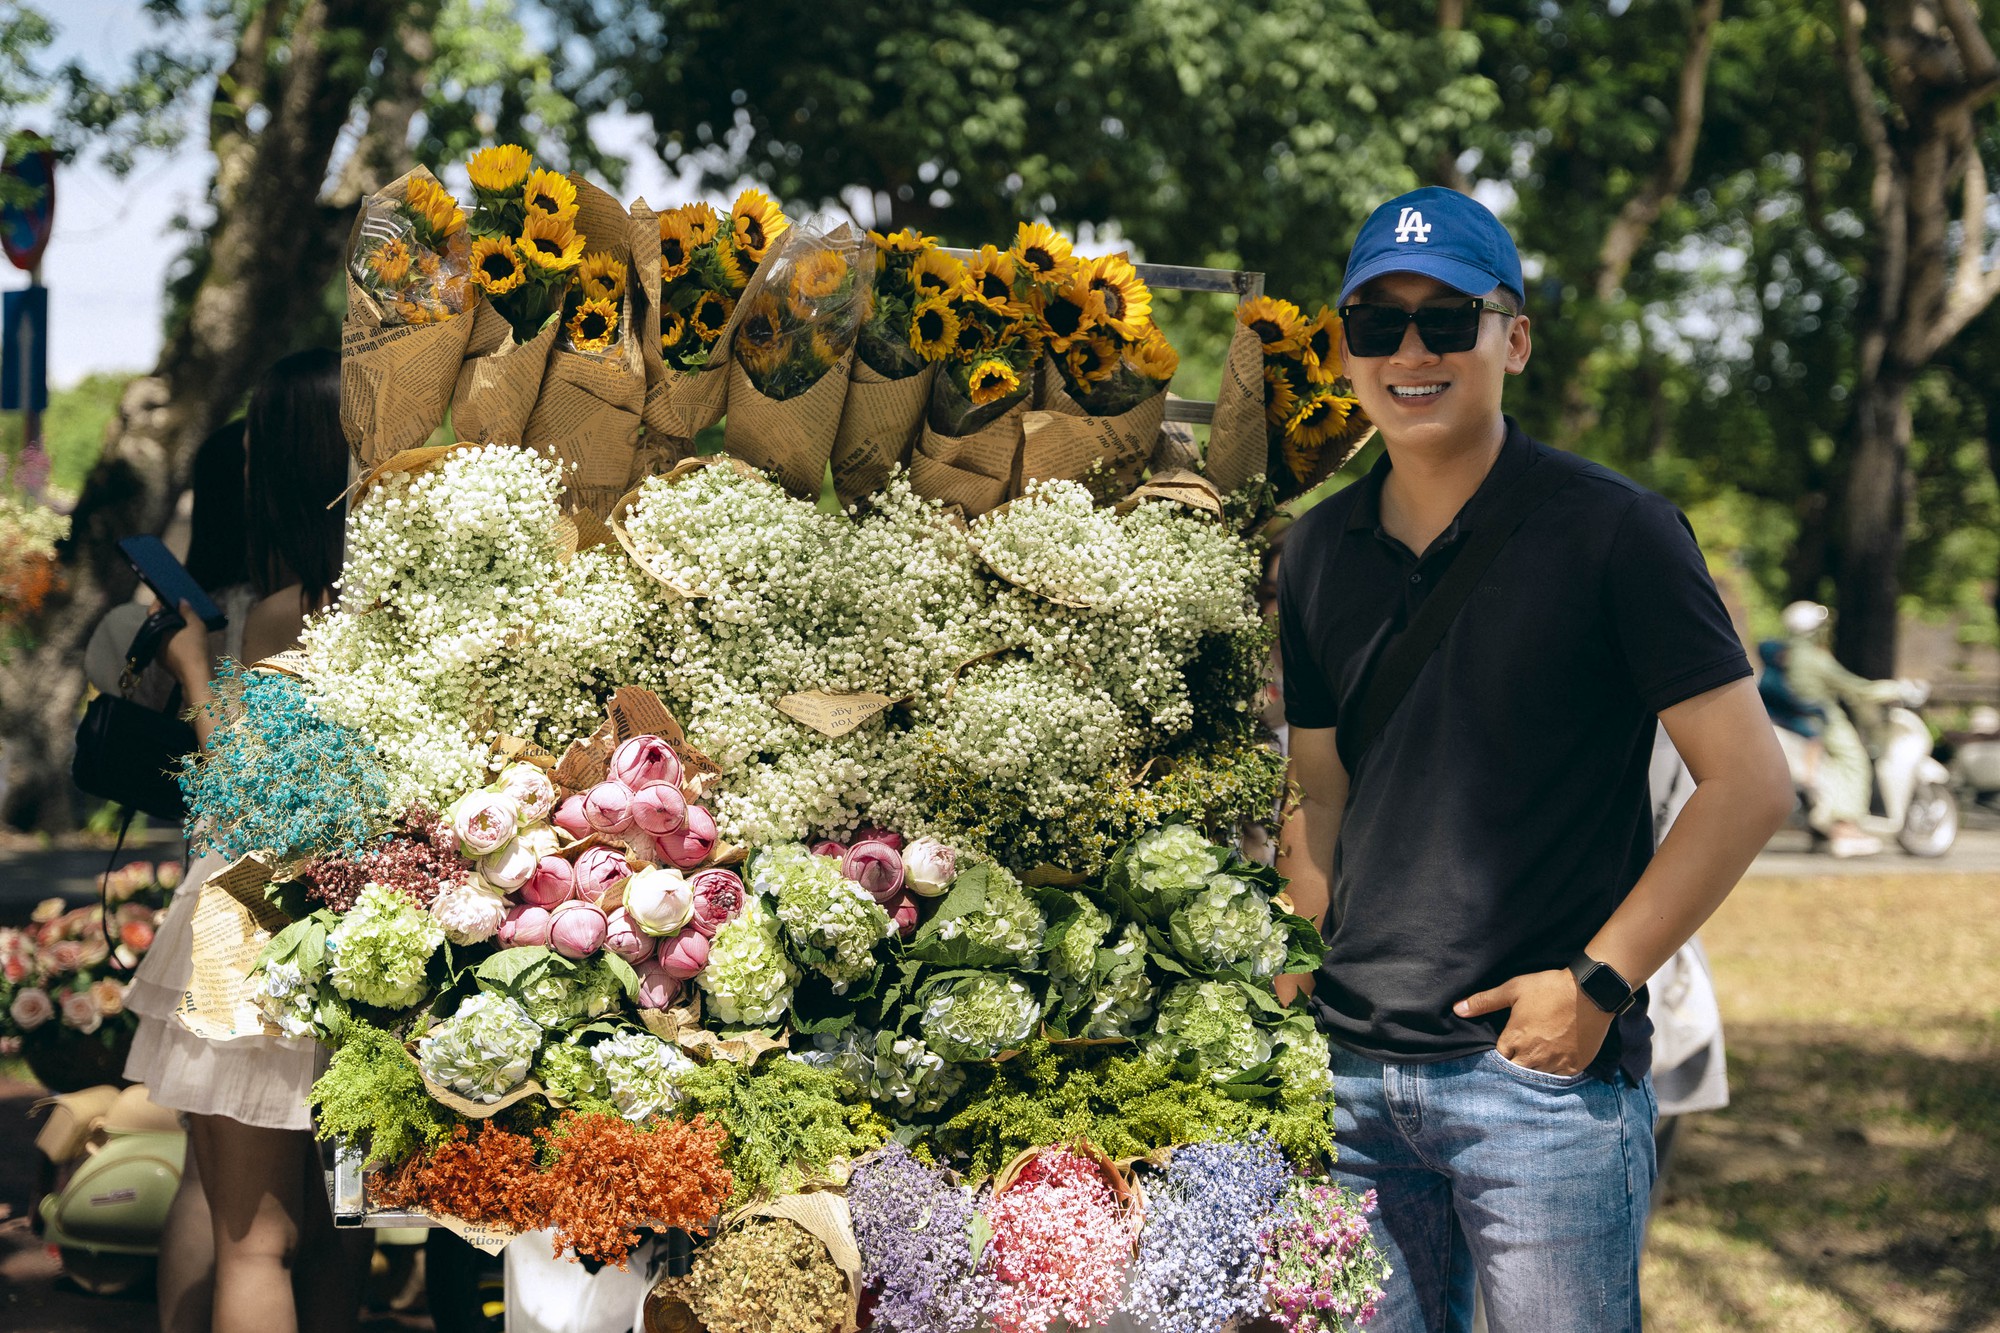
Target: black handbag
(130,754)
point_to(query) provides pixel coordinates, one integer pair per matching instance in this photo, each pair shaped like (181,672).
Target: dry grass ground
(1854,1181)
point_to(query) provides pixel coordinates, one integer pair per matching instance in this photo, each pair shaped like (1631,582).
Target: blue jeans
(1535,1182)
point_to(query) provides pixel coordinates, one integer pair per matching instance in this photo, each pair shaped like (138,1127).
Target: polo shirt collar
(1516,452)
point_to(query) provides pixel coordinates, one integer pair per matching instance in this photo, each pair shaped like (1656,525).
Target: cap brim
(1453,273)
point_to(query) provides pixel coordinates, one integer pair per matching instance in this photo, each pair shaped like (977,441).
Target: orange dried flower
(488,1179)
(612,1177)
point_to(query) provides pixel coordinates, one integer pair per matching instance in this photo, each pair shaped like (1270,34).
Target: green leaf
(1305,948)
(506,968)
(628,978)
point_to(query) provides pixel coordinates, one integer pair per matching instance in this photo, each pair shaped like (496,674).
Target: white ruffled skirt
(259,1081)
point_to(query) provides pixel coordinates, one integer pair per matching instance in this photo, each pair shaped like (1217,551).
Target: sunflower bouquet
(409,286)
(891,378)
(790,355)
(1286,408)
(527,246)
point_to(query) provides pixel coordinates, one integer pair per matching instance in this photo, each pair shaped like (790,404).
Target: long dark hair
(297,469)
(216,557)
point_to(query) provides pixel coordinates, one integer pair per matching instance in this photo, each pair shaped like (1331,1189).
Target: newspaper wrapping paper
(1238,440)
(1176,449)
(396,380)
(680,404)
(975,472)
(792,440)
(587,415)
(1063,446)
(878,427)
(233,921)
(500,379)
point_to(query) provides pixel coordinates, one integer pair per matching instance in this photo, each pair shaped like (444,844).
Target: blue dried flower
(1201,1256)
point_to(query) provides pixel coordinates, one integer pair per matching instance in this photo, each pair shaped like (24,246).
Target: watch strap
(1602,984)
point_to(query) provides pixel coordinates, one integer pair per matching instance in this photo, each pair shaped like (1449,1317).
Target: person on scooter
(1846,774)
(1787,710)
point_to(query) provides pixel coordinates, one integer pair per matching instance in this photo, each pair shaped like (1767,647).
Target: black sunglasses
(1377,330)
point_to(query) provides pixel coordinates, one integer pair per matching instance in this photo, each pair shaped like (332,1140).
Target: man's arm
(1742,794)
(1305,845)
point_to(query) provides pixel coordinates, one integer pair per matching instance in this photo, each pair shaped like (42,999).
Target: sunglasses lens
(1450,329)
(1375,330)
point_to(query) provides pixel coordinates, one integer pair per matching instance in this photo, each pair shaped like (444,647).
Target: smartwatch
(1601,982)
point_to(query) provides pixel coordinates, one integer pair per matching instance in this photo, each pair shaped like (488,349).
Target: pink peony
(623,937)
(929,867)
(531,789)
(484,822)
(32,1007)
(660,900)
(508,868)
(685,955)
(608,807)
(600,870)
(577,929)
(876,833)
(659,808)
(876,867)
(645,759)
(691,846)
(718,897)
(554,881)
(903,911)
(569,817)
(657,989)
(81,1011)
(525,925)
(828,847)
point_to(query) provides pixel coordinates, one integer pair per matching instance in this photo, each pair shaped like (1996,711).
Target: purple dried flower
(915,1231)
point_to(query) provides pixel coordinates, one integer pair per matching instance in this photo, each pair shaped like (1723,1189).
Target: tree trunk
(1877,495)
(273,248)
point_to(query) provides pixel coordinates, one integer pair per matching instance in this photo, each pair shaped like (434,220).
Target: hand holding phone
(169,579)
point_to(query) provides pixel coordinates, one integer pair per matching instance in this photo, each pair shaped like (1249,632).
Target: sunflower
(1123,300)
(673,328)
(934,330)
(1277,324)
(594,326)
(550,194)
(411,312)
(703,222)
(436,213)
(496,265)
(731,268)
(1280,398)
(677,245)
(827,348)
(1153,357)
(1318,419)
(500,169)
(760,339)
(1319,350)
(935,274)
(601,276)
(391,262)
(989,277)
(710,312)
(1026,331)
(754,223)
(1068,313)
(990,381)
(975,336)
(1091,360)
(550,245)
(908,241)
(815,278)
(1041,250)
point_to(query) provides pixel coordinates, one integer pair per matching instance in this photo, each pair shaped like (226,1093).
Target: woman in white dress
(278,1265)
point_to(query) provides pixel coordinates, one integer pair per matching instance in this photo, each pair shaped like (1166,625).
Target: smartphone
(169,579)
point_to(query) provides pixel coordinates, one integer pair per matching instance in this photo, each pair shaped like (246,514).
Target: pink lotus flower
(600,870)
(484,822)
(608,807)
(32,1007)
(577,929)
(876,867)
(691,846)
(659,808)
(660,900)
(657,989)
(525,925)
(554,881)
(828,847)
(569,817)
(80,1011)
(903,911)
(718,897)
(876,833)
(509,867)
(531,789)
(623,937)
(645,759)
(929,867)
(685,955)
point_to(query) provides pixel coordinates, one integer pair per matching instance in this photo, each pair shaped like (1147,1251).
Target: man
(1844,778)
(1485,869)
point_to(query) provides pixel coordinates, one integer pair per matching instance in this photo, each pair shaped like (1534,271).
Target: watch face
(1605,989)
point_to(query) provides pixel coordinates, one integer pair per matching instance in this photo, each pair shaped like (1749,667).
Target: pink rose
(718,897)
(685,955)
(80,1011)
(929,867)
(657,989)
(484,822)
(14,968)
(64,956)
(509,867)
(659,899)
(577,929)
(659,808)
(608,807)
(134,935)
(691,846)
(876,867)
(554,881)
(110,996)
(876,833)
(169,874)
(525,925)
(645,759)
(531,789)
(623,937)
(903,911)
(31,1008)
(600,870)
(828,847)
(569,817)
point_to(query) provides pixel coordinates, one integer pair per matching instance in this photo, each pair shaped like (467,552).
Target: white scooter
(1919,808)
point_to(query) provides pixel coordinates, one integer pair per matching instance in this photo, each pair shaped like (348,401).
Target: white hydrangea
(748,979)
(1009,919)
(287,998)
(640,1070)
(1209,1022)
(1171,861)
(382,948)
(902,1075)
(830,921)
(483,1050)
(978,1016)
(1229,923)
(1121,1000)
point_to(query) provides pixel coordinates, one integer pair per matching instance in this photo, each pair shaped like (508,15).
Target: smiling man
(1474,831)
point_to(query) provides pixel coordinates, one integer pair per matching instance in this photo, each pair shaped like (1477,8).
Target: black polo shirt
(1503,814)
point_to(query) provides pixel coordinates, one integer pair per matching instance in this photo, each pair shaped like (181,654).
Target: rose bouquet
(29,572)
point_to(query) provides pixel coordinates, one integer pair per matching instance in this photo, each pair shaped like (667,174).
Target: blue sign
(24,350)
(24,228)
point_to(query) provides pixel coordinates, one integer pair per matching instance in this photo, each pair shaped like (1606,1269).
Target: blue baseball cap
(1439,233)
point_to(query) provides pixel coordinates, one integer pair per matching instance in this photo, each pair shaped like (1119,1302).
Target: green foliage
(372,1097)
(787,1121)
(72,429)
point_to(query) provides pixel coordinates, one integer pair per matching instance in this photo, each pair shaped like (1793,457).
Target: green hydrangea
(830,921)
(1209,1022)
(483,1051)
(1121,997)
(1171,862)
(1073,945)
(574,1079)
(902,1075)
(748,979)
(639,1069)
(381,949)
(1010,919)
(1229,923)
(560,994)
(977,1016)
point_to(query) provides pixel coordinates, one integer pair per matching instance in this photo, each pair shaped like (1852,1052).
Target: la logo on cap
(1410,226)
